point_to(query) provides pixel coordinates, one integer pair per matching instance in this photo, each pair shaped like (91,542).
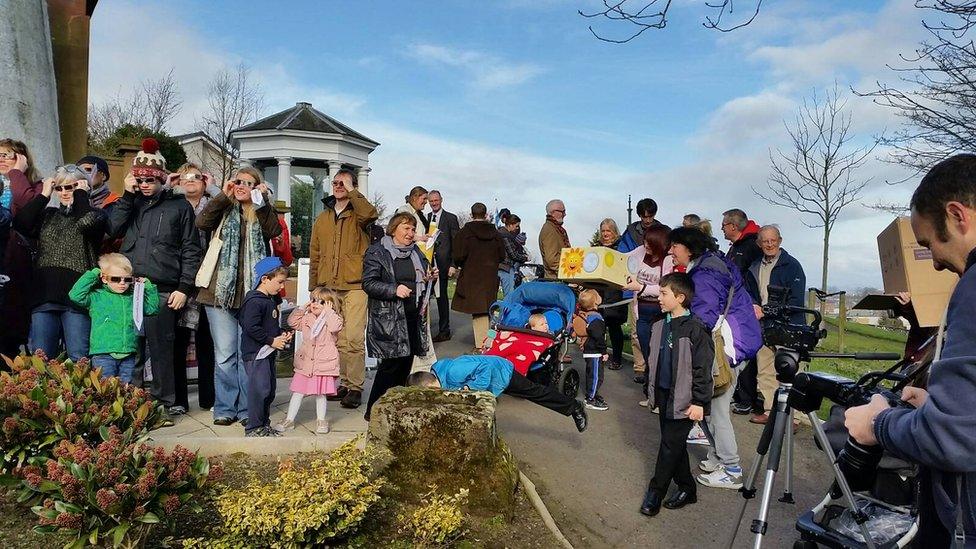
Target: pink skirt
(315,385)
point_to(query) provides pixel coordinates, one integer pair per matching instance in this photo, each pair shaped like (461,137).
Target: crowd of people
(128,281)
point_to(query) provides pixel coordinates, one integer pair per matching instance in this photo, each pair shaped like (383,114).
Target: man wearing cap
(97,169)
(162,242)
(340,237)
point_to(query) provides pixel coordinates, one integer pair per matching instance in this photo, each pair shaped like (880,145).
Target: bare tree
(162,101)
(936,96)
(379,202)
(653,14)
(234,99)
(816,175)
(152,104)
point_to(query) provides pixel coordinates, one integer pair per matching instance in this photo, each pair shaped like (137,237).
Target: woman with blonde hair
(615,316)
(241,221)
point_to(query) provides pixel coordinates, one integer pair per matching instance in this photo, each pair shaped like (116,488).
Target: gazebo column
(284,183)
(363,175)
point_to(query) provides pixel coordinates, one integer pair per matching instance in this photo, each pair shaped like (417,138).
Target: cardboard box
(907,267)
(594,266)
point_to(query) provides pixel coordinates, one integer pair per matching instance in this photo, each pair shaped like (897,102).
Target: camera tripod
(777,435)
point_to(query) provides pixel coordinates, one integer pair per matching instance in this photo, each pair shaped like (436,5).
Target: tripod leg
(788,490)
(775,450)
(762,449)
(845,488)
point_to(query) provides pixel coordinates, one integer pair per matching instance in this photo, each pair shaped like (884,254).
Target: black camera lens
(859,463)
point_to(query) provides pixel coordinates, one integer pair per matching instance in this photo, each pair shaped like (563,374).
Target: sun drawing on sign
(573,261)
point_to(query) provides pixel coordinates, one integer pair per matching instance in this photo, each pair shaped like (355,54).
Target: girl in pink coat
(317,360)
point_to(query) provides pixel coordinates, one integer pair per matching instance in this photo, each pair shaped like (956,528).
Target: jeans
(507,280)
(647,315)
(49,328)
(230,377)
(115,367)
(615,330)
(672,454)
(719,427)
(594,375)
(261,388)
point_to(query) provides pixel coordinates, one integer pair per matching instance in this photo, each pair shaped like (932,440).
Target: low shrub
(113,492)
(306,505)
(45,401)
(438,520)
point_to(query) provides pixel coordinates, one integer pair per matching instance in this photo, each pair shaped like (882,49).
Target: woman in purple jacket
(718,283)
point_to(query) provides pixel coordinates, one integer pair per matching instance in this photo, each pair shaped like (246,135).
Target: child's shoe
(596,404)
(284,426)
(322,427)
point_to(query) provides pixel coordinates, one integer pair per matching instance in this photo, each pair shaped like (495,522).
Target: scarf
(410,251)
(559,227)
(97,196)
(229,264)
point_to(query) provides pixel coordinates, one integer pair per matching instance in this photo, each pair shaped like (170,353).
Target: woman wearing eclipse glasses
(68,231)
(241,221)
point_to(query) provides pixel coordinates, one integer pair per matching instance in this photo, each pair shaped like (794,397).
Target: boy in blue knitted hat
(261,338)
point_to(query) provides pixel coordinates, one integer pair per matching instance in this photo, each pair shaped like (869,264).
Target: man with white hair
(775,268)
(553,237)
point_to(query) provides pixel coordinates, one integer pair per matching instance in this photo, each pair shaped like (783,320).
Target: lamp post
(630,212)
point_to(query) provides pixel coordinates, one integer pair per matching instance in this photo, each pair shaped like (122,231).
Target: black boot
(652,503)
(680,499)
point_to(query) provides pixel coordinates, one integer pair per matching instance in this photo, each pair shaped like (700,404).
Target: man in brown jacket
(340,237)
(553,237)
(477,252)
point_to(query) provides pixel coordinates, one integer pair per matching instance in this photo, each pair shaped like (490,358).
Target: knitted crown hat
(149,162)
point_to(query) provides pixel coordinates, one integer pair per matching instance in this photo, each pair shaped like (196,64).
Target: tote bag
(210,259)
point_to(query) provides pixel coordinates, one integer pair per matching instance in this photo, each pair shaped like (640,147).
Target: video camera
(783,324)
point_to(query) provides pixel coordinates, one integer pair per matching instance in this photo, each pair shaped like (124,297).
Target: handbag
(721,369)
(210,259)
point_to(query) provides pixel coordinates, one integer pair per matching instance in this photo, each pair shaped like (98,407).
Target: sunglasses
(146,180)
(125,279)
(71,187)
(8,156)
(243,183)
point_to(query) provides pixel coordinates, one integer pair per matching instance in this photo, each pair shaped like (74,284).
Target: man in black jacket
(447,224)
(743,251)
(775,268)
(161,240)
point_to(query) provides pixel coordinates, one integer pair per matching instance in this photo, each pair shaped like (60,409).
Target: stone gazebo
(303,141)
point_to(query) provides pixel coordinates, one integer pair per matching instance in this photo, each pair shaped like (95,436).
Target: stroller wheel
(569,382)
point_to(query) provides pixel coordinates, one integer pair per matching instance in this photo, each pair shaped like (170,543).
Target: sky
(514,102)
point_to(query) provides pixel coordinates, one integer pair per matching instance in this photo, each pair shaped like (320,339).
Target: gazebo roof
(303,117)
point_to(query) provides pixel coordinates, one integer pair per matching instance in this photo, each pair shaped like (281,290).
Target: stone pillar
(28,90)
(363,174)
(70,20)
(284,183)
(334,166)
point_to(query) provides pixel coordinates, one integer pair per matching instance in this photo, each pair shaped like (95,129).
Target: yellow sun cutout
(573,262)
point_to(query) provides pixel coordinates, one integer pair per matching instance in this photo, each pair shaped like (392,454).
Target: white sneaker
(284,426)
(643,403)
(322,427)
(726,477)
(709,466)
(697,436)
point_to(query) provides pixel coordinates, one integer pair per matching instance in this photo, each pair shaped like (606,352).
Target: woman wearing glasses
(69,233)
(241,221)
(21,183)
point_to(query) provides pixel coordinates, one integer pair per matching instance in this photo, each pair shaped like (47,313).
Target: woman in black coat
(615,317)
(395,273)
(69,233)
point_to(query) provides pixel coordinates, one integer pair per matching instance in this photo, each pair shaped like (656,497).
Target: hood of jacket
(483,230)
(752,228)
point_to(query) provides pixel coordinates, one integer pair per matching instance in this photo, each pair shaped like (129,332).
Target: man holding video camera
(939,433)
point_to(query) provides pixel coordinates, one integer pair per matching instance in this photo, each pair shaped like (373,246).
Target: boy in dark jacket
(680,385)
(261,337)
(594,348)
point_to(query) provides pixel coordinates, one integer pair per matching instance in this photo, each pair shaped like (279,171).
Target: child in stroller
(553,302)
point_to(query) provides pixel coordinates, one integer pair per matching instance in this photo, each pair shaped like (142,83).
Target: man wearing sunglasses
(340,237)
(161,240)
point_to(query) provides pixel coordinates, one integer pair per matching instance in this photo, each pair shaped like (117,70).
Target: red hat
(148,162)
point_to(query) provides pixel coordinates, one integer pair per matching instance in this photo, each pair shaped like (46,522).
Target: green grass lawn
(858,338)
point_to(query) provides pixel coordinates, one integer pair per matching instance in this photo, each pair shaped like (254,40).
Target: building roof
(304,117)
(188,137)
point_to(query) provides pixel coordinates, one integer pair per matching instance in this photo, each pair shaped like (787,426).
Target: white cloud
(487,71)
